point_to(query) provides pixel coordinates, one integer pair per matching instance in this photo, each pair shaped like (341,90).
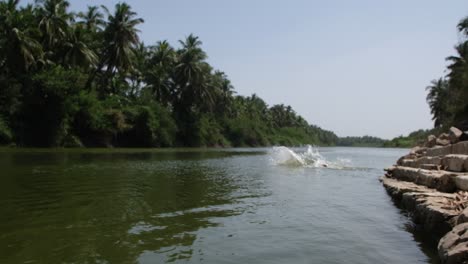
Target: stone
(462,218)
(428,207)
(429,167)
(427,160)
(454,162)
(442,142)
(418,150)
(444,136)
(440,180)
(461,182)
(460,148)
(466,165)
(407,163)
(433,210)
(455,134)
(397,188)
(440,151)
(453,247)
(431,141)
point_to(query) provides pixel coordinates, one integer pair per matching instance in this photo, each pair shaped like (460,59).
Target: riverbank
(431,182)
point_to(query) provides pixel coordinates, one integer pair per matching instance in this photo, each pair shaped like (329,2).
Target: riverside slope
(431,182)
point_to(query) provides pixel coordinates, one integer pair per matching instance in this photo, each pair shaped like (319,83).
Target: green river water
(201,206)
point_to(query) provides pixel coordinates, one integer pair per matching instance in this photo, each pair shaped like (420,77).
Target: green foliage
(448,97)
(365,141)
(412,139)
(85,79)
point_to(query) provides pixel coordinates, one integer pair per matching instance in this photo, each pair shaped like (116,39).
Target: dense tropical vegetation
(86,79)
(448,96)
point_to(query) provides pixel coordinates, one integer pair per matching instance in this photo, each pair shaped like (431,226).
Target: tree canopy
(86,79)
(448,96)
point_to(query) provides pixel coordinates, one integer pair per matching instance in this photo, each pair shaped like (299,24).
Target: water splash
(310,158)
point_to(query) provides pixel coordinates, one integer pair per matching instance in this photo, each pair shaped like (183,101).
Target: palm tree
(121,37)
(437,98)
(158,74)
(192,76)
(76,51)
(463,26)
(92,19)
(19,48)
(54,21)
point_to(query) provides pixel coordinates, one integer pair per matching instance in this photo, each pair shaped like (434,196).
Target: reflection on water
(227,206)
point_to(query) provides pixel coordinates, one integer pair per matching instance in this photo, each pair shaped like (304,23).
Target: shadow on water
(109,207)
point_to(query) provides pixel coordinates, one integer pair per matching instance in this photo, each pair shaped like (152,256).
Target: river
(201,206)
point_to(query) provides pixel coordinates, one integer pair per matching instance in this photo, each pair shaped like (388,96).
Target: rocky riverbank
(431,182)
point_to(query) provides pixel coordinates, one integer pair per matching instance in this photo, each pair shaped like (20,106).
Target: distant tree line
(365,141)
(86,79)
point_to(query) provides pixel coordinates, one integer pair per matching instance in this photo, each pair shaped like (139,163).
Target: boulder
(455,134)
(461,182)
(453,247)
(460,148)
(440,151)
(444,136)
(429,167)
(428,207)
(431,141)
(440,180)
(408,163)
(427,160)
(418,150)
(442,142)
(462,218)
(454,162)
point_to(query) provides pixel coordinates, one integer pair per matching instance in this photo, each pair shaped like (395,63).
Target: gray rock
(455,134)
(440,151)
(462,218)
(442,142)
(408,163)
(460,148)
(453,247)
(418,150)
(429,167)
(461,182)
(441,180)
(427,160)
(454,162)
(444,136)
(431,141)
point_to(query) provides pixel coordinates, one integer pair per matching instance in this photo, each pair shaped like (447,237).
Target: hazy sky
(354,67)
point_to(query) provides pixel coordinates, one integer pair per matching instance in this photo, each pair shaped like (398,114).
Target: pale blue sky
(354,67)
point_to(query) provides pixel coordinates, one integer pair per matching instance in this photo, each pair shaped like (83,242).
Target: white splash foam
(310,158)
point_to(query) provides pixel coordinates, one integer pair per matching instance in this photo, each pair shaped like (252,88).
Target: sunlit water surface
(202,206)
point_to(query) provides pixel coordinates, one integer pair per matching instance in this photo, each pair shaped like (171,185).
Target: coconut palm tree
(17,44)
(75,50)
(463,26)
(120,38)
(92,19)
(54,21)
(158,74)
(437,98)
